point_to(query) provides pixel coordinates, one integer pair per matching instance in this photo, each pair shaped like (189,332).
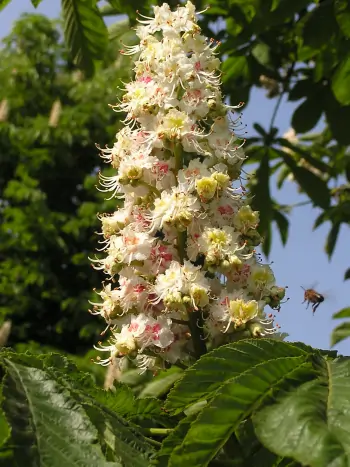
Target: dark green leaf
(4,3)
(261,192)
(313,186)
(282,224)
(344,313)
(240,389)
(282,175)
(204,378)
(332,239)
(323,217)
(267,241)
(338,117)
(85,33)
(340,82)
(306,154)
(259,129)
(347,274)
(172,441)
(301,89)
(54,421)
(319,19)
(340,333)
(311,423)
(342,14)
(46,422)
(307,115)
(36,3)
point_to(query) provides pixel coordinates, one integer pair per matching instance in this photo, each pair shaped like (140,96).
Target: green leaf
(282,224)
(302,88)
(85,32)
(44,424)
(347,275)
(342,14)
(4,3)
(260,190)
(274,5)
(332,239)
(262,54)
(117,29)
(172,441)
(340,82)
(204,378)
(313,186)
(306,154)
(340,333)
(237,379)
(311,424)
(235,68)
(343,313)
(338,117)
(307,115)
(323,217)
(161,385)
(36,3)
(319,19)
(54,420)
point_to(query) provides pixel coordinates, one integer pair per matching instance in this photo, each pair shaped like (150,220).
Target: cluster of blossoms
(180,254)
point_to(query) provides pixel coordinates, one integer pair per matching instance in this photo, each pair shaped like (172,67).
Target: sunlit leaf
(342,14)
(85,33)
(344,313)
(311,423)
(340,333)
(237,379)
(4,3)
(340,82)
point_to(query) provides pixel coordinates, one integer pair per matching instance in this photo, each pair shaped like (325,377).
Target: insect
(311,296)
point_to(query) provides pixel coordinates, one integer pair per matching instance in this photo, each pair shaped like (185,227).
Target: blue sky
(303,261)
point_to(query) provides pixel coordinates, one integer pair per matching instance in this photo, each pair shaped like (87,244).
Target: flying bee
(311,296)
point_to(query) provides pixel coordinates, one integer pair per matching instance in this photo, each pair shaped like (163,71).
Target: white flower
(261,278)
(175,208)
(131,245)
(234,308)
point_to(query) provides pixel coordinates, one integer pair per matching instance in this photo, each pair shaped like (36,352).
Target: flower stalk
(180,255)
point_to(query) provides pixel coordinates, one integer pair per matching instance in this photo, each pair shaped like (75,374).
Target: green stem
(179,157)
(183,322)
(157,431)
(197,335)
(155,443)
(150,187)
(181,245)
(195,317)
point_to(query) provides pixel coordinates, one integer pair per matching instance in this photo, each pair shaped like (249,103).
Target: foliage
(47,183)
(253,403)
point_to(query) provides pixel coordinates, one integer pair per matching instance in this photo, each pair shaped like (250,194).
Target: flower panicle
(181,252)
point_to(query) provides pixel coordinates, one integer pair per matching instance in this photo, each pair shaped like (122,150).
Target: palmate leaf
(236,380)
(311,424)
(85,32)
(54,423)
